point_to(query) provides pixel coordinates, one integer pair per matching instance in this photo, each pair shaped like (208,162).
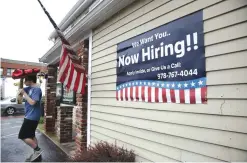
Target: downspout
(89,88)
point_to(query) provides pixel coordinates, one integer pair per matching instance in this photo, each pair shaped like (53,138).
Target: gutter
(72,15)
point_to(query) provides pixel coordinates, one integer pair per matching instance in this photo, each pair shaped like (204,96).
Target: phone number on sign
(174,74)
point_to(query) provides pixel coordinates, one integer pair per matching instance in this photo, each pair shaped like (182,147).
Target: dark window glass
(65,96)
(13,100)
(9,71)
(1,71)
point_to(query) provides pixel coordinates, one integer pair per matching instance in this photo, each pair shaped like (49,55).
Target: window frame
(73,102)
(61,97)
(11,71)
(1,71)
(13,100)
(8,71)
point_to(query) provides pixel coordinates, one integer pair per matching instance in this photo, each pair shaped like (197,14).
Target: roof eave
(76,10)
(97,15)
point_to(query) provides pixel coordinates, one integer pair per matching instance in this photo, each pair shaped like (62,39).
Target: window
(1,71)
(10,71)
(59,90)
(68,96)
(13,100)
(65,96)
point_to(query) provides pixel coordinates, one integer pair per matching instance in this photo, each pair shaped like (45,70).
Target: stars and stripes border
(190,92)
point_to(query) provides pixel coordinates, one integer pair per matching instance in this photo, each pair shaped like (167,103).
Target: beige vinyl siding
(215,131)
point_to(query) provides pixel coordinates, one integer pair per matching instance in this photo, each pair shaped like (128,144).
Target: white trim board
(89,88)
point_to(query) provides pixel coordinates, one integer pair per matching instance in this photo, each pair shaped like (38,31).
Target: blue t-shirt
(33,112)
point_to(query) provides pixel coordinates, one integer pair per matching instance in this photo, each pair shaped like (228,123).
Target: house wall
(215,131)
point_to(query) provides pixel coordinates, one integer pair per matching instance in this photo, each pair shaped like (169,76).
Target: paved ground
(14,150)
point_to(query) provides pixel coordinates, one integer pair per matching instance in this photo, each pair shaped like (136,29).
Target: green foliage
(41,121)
(43,99)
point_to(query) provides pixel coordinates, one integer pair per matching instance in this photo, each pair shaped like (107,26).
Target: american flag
(71,73)
(186,92)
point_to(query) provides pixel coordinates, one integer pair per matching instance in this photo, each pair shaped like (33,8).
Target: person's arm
(29,99)
(35,96)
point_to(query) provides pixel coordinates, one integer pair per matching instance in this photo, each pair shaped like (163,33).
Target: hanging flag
(71,72)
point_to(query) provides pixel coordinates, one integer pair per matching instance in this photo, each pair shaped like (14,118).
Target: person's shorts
(28,129)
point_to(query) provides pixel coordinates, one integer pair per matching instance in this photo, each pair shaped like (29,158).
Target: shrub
(105,152)
(43,99)
(41,121)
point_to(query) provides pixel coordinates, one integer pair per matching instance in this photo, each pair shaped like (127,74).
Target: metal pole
(59,33)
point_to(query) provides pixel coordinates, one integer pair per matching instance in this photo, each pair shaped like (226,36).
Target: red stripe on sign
(121,94)
(131,94)
(204,94)
(156,94)
(126,94)
(117,95)
(192,96)
(149,94)
(164,95)
(181,95)
(137,93)
(172,93)
(143,93)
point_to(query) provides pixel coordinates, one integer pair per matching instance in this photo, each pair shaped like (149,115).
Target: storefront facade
(214,131)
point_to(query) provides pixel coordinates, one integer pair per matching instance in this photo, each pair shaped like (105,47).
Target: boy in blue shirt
(33,95)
